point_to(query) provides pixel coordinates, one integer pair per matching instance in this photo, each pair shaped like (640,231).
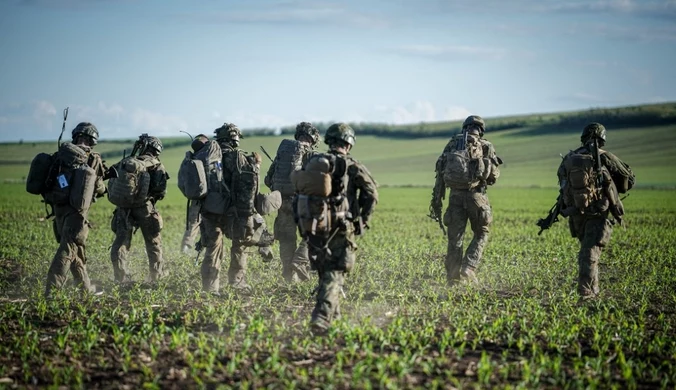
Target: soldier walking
(590,181)
(468,165)
(335,201)
(138,211)
(289,158)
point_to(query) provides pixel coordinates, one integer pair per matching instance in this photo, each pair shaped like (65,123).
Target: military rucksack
(245,183)
(321,203)
(131,187)
(289,159)
(464,164)
(64,177)
(581,188)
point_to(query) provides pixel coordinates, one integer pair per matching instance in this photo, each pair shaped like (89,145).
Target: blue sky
(132,66)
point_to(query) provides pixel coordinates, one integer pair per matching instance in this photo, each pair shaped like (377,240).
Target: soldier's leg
(285,233)
(122,227)
(193,227)
(212,239)
(71,227)
(301,261)
(455,220)
(596,235)
(238,263)
(332,277)
(78,267)
(150,222)
(480,218)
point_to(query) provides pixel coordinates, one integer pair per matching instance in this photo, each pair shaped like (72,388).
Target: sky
(160,66)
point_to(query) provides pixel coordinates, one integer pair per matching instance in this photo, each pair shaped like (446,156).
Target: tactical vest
(464,164)
(289,159)
(321,204)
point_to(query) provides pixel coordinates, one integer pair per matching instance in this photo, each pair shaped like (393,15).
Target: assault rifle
(551,218)
(437,203)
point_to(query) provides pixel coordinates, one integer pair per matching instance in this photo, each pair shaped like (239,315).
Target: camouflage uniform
(71,226)
(295,260)
(592,226)
(147,218)
(355,192)
(467,204)
(245,228)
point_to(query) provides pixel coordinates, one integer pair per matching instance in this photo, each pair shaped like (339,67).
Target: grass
(522,326)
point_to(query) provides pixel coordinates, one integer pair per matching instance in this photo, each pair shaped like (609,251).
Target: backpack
(581,188)
(321,203)
(289,159)
(38,174)
(68,180)
(464,165)
(245,183)
(130,188)
(201,171)
(218,194)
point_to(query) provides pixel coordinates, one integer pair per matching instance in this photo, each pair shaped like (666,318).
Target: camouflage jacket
(491,162)
(98,165)
(619,171)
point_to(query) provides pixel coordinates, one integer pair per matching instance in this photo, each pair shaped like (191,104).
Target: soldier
(71,227)
(589,203)
(290,157)
(192,225)
(336,197)
(144,216)
(467,166)
(240,222)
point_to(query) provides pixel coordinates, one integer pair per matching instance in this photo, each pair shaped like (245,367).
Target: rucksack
(321,203)
(581,188)
(218,194)
(463,165)
(289,159)
(200,169)
(67,180)
(244,184)
(38,174)
(130,188)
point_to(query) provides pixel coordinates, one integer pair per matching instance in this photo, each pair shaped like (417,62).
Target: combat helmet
(87,129)
(307,129)
(475,120)
(229,132)
(153,143)
(339,132)
(594,130)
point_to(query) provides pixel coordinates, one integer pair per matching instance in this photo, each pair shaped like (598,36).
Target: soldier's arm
(271,172)
(618,170)
(368,191)
(158,182)
(491,162)
(99,167)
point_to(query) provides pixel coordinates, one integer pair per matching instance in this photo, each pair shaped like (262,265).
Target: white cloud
(156,123)
(418,111)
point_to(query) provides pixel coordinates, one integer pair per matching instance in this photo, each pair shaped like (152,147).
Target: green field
(521,326)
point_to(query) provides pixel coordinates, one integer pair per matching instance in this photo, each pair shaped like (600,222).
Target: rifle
(63,126)
(551,218)
(437,202)
(266,153)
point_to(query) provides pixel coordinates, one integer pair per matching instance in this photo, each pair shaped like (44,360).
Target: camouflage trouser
(192,225)
(464,205)
(150,222)
(331,266)
(213,230)
(593,234)
(70,230)
(295,260)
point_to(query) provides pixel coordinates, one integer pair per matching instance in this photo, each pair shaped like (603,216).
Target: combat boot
(468,275)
